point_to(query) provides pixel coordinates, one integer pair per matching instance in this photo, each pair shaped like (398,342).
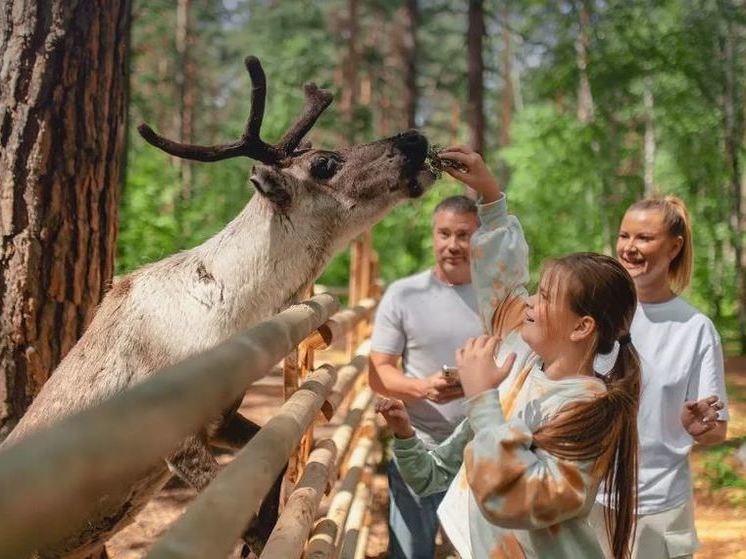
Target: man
(422,320)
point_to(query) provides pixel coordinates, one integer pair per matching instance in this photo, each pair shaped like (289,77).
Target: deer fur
(308,204)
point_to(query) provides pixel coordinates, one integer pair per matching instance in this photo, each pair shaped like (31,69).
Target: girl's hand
(396,416)
(699,417)
(477,368)
(478,175)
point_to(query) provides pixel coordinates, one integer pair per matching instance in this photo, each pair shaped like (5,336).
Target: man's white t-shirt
(681,360)
(425,321)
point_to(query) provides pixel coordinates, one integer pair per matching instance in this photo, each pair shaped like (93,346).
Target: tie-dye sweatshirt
(507,498)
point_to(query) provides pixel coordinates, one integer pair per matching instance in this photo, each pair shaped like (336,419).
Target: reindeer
(309,204)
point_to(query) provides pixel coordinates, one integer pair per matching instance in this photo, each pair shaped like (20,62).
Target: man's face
(451,235)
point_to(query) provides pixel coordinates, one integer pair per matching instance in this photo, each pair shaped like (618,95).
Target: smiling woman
(682,371)
(655,246)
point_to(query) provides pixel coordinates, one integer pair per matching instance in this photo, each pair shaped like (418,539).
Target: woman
(523,469)
(683,389)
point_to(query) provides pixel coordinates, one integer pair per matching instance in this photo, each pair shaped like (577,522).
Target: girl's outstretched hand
(478,175)
(477,368)
(395,414)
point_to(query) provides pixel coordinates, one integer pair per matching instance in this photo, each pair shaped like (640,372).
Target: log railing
(53,479)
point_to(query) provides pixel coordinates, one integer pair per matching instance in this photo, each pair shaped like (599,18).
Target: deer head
(346,190)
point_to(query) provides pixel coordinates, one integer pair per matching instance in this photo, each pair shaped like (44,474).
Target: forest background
(580,106)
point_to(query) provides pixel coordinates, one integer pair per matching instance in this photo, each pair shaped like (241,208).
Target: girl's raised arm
(499,268)
(499,254)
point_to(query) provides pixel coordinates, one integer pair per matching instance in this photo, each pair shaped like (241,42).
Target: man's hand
(440,389)
(396,416)
(477,367)
(477,175)
(700,417)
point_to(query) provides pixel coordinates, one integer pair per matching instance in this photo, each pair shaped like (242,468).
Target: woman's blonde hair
(676,219)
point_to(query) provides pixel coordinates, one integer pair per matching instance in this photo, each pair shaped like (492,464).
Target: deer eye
(324,167)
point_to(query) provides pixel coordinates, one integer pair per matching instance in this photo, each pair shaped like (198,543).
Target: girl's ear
(585,327)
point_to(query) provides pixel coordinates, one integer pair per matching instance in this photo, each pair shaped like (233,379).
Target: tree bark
(62,130)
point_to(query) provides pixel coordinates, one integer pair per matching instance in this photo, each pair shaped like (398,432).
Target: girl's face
(646,248)
(549,321)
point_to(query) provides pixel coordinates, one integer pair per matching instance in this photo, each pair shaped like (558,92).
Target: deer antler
(250,145)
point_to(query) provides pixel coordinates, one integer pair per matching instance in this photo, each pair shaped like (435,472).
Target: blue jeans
(413,520)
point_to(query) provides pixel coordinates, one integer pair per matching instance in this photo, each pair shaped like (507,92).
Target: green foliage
(148,230)
(720,472)
(570,180)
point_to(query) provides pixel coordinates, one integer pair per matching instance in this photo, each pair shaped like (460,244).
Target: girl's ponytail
(623,392)
(604,429)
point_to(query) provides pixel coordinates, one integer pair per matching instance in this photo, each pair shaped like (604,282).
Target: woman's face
(646,248)
(549,321)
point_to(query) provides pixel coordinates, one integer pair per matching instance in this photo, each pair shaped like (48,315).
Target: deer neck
(264,261)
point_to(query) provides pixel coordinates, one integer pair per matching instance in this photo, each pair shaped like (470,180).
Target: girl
(683,400)
(528,460)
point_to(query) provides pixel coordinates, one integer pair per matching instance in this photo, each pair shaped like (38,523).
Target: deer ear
(271,184)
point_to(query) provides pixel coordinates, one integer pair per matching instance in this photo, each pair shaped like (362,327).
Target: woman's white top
(681,359)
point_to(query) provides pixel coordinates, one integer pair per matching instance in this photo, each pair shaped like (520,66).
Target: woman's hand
(477,368)
(478,176)
(396,416)
(700,416)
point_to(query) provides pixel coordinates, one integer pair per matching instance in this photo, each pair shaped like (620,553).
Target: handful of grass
(436,164)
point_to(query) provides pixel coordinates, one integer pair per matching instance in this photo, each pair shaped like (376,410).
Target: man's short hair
(457,204)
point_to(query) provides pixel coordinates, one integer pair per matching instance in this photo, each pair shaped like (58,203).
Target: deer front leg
(233,433)
(194,463)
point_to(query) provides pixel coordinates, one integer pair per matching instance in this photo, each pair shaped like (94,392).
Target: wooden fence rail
(47,482)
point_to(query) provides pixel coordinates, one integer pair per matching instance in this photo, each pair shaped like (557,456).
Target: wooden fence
(48,483)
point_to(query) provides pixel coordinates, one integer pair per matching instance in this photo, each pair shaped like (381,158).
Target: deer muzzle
(413,146)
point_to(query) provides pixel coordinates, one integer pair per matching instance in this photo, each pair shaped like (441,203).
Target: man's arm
(387,379)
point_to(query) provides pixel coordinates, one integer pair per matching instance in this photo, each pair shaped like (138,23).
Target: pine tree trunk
(649,138)
(62,132)
(185,125)
(408,56)
(349,98)
(582,42)
(506,110)
(475,40)
(475,65)
(733,133)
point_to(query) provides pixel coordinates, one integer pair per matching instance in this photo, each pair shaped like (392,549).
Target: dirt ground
(720,514)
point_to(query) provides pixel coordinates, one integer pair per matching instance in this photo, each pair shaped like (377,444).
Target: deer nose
(411,143)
